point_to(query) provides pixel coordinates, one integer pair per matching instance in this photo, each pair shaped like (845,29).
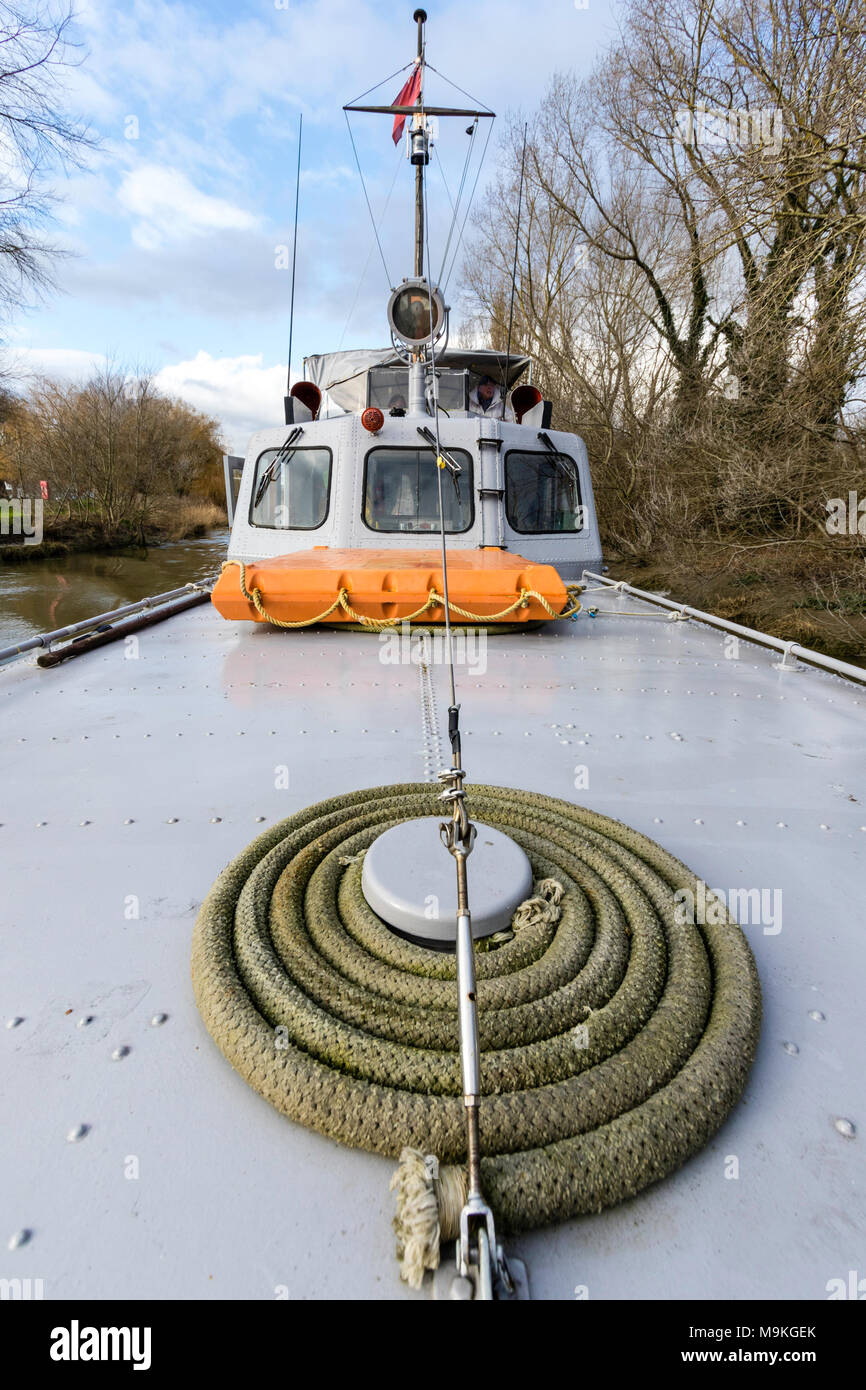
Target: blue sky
(176,225)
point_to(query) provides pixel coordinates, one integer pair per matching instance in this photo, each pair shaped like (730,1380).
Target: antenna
(294,256)
(514,270)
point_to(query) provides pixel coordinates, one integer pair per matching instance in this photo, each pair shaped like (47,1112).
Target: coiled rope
(614,1041)
(434,600)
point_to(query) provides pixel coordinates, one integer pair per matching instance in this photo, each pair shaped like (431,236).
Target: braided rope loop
(614,1038)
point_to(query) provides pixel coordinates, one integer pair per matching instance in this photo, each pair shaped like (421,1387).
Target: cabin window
(388,388)
(291,489)
(542,493)
(401,491)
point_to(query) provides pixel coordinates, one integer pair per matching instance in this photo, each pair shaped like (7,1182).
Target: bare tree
(37,137)
(115,451)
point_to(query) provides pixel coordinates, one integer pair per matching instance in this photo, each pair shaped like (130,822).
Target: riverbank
(185,520)
(808,594)
(70,587)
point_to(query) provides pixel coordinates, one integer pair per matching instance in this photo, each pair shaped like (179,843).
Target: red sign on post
(43,488)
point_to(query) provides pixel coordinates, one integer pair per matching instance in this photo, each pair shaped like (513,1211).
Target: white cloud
(241,392)
(70,364)
(169,207)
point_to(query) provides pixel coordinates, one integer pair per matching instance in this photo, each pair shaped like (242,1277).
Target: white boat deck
(129,783)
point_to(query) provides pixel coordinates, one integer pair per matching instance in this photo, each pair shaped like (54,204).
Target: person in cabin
(486,399)
(397,405)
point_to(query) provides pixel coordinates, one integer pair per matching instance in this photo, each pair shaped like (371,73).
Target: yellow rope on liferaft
(434,600)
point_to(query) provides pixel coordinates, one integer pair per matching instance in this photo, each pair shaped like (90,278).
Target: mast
(421,17)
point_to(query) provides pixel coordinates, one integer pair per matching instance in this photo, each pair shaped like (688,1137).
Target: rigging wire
(367,200)
(468,209)
(439,471)
(460,189)
(441,167)
(294,255)
(410,64)
(514,266)
(370,252)
(477,101)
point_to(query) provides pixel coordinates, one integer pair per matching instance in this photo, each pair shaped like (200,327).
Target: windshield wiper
(569,469)
(283,455)
(454,468)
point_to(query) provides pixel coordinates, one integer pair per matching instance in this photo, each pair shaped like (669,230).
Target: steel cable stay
(363,274)
(367,199)
(459,245)
(455,206)
(478,1255)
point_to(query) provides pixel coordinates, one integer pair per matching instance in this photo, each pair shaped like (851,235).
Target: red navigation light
(372,419)
(523,399)
(309,395)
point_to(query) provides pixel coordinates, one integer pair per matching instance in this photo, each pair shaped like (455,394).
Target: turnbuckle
(486,1268)
(459,829)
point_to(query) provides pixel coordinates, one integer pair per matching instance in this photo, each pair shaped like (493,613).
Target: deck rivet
(14,1022)
(846,1128)
(84,1020)
(618,735)
(120,1052)
(77,1133)
(817,1015)
(678,737)
(129,821)
(261,818)
(40,824)
(158,1020)
(20,1238)
(215,820)
(657,820)
(698,821)
(741,822)
(84,822)
(822,826)
(172,820)
(782,825)
(791,1048)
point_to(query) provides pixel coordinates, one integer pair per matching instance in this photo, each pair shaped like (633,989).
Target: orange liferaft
(384,586)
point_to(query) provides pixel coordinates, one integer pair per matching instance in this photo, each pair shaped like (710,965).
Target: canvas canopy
(343,375)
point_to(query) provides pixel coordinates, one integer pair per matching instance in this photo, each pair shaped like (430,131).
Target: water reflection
(45,594)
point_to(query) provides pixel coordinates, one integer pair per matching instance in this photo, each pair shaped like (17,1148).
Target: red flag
(407,96)
(43,488)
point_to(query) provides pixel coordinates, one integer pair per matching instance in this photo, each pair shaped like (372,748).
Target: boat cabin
(354,466)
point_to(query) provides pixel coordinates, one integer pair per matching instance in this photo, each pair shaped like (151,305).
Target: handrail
(46,639)
(827,663)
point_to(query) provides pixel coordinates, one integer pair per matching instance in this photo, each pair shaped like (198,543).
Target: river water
(40,595)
